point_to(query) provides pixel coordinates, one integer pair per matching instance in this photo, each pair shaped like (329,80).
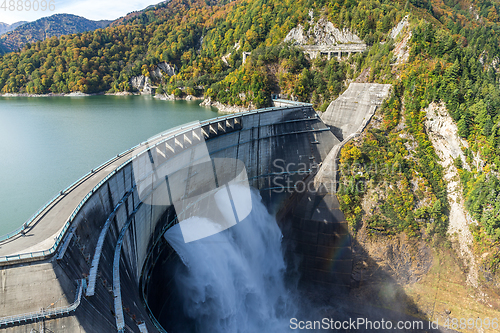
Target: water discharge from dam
(233,281)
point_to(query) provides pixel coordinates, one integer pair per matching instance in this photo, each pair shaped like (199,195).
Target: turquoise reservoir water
(48,143)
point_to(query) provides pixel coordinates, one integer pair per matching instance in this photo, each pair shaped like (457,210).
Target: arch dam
(88,260)
(339,50)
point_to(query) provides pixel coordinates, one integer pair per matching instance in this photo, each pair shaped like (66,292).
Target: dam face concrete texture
(112,238)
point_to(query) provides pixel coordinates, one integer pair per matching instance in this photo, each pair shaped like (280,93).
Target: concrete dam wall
(316,233)
(93,273)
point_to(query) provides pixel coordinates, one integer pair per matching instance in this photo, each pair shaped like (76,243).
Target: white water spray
(234,279)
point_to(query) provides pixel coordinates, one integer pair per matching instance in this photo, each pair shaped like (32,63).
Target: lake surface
(48,143)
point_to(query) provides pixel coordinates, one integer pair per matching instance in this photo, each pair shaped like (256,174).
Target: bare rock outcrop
(161,70)
(399,27)
(402,50)
(321,33)
(443,134)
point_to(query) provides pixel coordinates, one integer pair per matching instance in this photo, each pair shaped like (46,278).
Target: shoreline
(205,102)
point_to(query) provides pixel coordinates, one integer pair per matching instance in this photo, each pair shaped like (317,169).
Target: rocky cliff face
(161,70)
(321,33)
(46,27)
(141,83)
(4,27)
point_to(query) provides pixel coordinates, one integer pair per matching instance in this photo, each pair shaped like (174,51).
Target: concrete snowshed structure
(90,254)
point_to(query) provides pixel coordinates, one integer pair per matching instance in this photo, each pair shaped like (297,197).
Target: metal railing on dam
(211,127)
